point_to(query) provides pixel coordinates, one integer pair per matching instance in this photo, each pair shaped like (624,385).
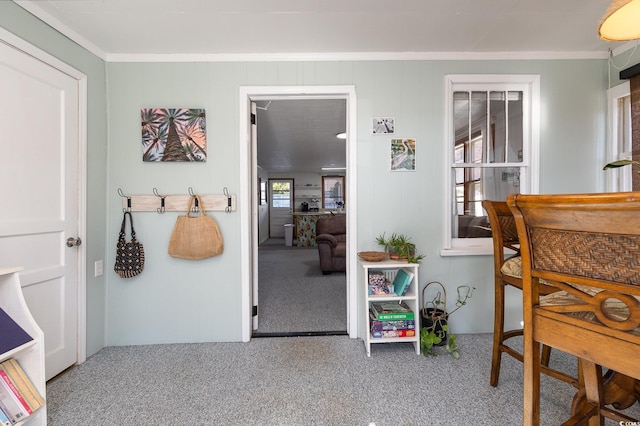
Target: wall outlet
(99,268)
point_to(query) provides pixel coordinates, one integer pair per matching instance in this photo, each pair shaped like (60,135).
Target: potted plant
(400,247)
(435,316)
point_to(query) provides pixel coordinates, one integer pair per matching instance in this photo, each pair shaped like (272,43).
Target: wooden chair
(508,272)
(587,245)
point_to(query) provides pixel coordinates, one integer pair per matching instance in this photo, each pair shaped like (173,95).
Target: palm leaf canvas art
(173,134)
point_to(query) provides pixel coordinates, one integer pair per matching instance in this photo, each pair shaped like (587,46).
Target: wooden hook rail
(176,203)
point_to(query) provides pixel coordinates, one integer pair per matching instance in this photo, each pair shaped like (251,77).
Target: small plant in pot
(400,247)
(435,316)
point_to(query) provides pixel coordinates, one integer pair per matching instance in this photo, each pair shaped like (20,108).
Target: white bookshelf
(389,268)
(31,354)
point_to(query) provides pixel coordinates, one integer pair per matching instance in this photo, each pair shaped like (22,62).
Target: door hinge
(253,119)
(254,312)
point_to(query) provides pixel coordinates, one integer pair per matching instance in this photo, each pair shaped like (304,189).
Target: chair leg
(586,404)
(498,332)
(546,355)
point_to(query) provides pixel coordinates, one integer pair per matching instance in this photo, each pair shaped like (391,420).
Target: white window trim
(616,179)
(529,179)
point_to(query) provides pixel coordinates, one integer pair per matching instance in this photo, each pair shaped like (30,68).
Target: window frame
(529,84)
(617,179)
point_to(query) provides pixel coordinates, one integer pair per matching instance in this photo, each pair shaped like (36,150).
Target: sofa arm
(327,239)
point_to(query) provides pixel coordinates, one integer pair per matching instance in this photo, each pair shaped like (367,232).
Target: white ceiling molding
(355,56)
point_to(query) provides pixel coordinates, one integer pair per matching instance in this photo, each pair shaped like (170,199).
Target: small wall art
(386,125)
(403,155)
(173,134)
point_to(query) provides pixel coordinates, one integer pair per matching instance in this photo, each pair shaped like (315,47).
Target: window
(281,194)
(492,128)
(333,191)
(619,137)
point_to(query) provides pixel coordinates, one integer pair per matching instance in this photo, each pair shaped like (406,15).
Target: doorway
(280,206)
(249,215)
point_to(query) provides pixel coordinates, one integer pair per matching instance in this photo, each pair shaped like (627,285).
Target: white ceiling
(327,26)
(302,137)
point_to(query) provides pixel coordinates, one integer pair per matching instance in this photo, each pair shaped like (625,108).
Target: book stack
(379,285)
(391,319)
(18,396)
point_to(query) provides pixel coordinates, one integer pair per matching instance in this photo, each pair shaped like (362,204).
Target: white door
(39,124)
(280,206)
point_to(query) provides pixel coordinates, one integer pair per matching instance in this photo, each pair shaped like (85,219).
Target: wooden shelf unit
(390,268)
(31,354)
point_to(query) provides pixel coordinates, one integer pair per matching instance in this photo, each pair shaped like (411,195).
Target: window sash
(521,168)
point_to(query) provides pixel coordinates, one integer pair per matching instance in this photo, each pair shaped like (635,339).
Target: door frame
(27,48)
(248,210)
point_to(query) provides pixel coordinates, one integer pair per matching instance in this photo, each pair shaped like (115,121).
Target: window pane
(460,124)
(489,183)
(281,197)
(514,153)
(498,126)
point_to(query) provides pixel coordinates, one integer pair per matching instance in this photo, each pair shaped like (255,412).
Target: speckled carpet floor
(326,380)
(294,296)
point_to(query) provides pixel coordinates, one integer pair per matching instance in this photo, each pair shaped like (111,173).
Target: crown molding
(353,56)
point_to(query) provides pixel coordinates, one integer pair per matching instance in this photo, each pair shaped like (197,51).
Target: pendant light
(621,22)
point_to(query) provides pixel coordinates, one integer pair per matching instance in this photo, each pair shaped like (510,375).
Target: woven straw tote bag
(195,237)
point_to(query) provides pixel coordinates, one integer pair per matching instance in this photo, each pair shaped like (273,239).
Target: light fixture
(621,22)
(341,135)
(328,169)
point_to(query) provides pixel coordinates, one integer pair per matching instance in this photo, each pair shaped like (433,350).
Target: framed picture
(403,155)
(386,125)
(173,134)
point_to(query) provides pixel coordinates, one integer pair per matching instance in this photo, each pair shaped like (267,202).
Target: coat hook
(160,209)
(196,207)
(128,208)
(226,193)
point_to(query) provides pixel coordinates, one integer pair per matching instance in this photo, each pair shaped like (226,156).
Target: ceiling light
(328,169)
(620,23)
(341,135)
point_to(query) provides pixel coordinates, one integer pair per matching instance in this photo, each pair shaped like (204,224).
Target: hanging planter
(435,326)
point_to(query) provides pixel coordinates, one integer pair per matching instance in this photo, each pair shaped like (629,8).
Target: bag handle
(199,203)
(124,225)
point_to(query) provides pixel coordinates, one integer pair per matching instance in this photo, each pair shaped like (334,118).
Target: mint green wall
(16,20)
(186,301)
(182,301)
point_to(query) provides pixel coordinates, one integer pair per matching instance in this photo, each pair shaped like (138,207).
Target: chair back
(503,230)
(588,246)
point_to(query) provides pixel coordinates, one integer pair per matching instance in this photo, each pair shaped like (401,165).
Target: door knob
(73,241)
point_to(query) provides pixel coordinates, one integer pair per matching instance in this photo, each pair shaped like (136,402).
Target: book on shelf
(11,387)
(11,334)
(391,310)
(391,325)
(392,333)
(14,372)
(4,419)
(10,404)
(401,281)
